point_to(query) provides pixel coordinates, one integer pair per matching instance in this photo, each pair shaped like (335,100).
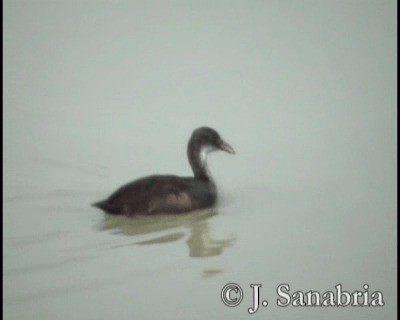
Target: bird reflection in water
(200,242)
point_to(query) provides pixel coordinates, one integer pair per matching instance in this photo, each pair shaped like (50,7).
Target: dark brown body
(168,193)
(160,194)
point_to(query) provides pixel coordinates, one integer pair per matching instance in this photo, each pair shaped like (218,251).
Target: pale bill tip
(226,147)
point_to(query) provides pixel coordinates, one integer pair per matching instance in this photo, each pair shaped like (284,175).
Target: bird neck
(197,155)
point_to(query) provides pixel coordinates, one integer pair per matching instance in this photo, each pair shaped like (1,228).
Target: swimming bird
(169,194)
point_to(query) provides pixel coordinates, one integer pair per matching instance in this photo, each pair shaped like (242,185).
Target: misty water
(97,94)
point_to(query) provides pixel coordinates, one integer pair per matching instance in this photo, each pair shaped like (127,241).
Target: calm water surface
(100,93)
(64,259)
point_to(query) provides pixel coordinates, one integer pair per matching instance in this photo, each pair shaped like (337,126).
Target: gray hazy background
(98,93)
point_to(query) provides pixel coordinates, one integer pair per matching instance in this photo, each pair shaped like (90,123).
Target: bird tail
(105,206)
(101,205)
